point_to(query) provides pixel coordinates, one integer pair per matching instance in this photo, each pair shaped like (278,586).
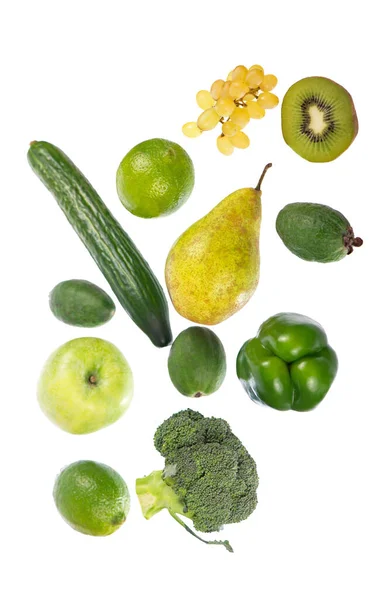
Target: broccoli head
(209,477)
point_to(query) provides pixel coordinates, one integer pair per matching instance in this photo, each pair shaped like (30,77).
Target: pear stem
(258,187)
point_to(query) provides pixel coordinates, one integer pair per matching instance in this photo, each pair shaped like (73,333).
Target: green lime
(155,178)
(91,497)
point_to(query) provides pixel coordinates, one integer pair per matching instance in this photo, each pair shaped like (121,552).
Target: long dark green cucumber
(128,274)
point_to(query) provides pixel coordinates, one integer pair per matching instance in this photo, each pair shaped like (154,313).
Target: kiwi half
(318,119)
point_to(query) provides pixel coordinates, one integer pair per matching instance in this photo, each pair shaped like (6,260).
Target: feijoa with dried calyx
(316,232)
(318,119)
(197,362)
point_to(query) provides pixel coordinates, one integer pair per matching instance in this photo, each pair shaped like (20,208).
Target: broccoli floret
(179,431)
(208,477)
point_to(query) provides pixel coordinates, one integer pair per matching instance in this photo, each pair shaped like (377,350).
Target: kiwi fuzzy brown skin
(333,106)
(316,232)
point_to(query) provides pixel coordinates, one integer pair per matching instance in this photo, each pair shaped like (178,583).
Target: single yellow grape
(239,73)
(228,128)
(255,110)
(216,88)
(191,130)
(254,77)
(257,67)
(267,100)
(204,99)
(268,83)
(248,97)
(238,89)
(224,145)
(240,140)
(225,89)
(240,116)
(208,119)
(225,107)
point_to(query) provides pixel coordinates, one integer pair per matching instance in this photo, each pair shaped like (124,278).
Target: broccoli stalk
(155,494)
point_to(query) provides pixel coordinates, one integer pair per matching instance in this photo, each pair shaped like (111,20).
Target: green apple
(86,384)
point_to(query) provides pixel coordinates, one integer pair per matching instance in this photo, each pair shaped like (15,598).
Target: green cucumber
(82,303)
(197,363)
(316,232)
(129,275)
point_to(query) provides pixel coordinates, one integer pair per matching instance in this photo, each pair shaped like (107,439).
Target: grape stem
(240,101)
(258,187)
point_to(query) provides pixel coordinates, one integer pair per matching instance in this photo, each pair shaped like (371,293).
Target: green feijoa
(197,363)
(82,303)
(316,232)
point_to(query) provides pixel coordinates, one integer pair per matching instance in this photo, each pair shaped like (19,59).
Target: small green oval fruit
(82,303)
(91,497)
(196,363)
(316,232)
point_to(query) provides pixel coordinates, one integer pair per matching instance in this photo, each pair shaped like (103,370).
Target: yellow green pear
(212,270)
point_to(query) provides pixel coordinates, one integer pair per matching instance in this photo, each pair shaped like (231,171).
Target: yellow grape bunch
(245,95)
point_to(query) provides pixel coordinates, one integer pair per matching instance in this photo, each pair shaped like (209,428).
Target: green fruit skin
(197,362)
(66,395)
(212,270)
(129,275)
(291,118)
(314,232)
(155,178)
(289,365)
(92,498)
(82,303)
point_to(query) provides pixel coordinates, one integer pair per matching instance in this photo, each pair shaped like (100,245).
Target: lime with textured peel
(91,497)
(155,178)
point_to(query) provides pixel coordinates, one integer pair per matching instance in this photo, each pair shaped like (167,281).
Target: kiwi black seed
(318,119)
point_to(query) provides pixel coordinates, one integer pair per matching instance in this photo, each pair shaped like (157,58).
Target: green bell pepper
(289,365)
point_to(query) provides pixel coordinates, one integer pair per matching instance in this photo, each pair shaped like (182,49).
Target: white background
(96,78)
